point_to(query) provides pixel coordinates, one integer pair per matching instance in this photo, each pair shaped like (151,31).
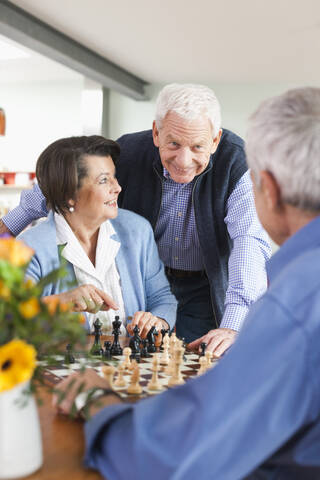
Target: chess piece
(165,354)
(116,348)
(203,347)
(144,350)
(108,372)
(107,350)
(154,383)
(135,387)
(134,343)
(96,348)
(177,378)
(127,361)
(120,381)
(163,333)
(69,357)
(208,356)
(151,341)
(203,365)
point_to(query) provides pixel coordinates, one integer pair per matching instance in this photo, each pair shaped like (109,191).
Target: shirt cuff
(16,220)
(234,316)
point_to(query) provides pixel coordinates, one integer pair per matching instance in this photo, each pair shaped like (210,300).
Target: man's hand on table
(218,341)
(84,381)
(145,320)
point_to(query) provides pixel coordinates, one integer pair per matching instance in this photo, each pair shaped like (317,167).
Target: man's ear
(216,141)
(155,134)
(270,189)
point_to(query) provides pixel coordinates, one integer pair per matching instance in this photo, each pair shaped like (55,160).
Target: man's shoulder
(298,281)
(229,138)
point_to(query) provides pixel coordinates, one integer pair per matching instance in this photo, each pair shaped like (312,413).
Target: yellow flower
(4,291)
(29,283)
(15,252)
(17,363)
(30,308)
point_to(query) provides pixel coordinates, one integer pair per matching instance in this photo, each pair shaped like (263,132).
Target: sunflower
(17,363)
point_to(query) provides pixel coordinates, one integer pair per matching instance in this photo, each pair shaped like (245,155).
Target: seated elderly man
(264,421)
(110,253)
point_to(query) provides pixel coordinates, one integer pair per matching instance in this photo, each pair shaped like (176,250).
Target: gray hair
(284,139)
(190,102)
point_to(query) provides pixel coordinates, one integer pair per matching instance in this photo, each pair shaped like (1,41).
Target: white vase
(20,435)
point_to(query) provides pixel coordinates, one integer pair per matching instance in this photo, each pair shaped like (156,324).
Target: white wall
(37,114)
(238,101)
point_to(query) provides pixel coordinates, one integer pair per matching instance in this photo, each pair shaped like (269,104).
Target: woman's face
(97,197)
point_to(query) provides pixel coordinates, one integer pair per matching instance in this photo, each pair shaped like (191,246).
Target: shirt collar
(304,239)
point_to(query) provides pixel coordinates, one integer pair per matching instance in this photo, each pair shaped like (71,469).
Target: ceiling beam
(20,26)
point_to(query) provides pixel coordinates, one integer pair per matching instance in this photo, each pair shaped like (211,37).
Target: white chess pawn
(154,383)
(120,381)
(108,372)
(127,362)
(135,387)
(165,353)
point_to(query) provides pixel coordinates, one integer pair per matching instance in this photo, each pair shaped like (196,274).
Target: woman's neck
(86,232)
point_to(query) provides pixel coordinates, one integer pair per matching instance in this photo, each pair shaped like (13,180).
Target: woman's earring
(71,209)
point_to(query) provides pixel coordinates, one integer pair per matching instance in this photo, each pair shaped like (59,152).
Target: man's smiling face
(185,146)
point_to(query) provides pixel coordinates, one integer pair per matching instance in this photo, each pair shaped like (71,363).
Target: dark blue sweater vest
(139,172)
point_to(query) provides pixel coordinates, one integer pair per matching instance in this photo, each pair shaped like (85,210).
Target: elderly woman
(110,253)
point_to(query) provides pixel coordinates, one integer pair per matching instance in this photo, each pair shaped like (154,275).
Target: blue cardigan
(143,281)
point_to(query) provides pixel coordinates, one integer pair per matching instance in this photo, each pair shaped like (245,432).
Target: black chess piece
(151,342)
(134,343)
(203,347)
(116,347)
(163,332)
(96,348)
(107,350)
(69,357)
(144,350)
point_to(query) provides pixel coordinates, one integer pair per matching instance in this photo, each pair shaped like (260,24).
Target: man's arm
(271,397)
(247,274)
(32,206)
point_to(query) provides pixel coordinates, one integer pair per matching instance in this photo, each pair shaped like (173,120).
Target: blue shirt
(259,406)
(246,266)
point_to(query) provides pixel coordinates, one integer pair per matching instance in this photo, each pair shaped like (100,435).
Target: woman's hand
(87,298)
(145,320)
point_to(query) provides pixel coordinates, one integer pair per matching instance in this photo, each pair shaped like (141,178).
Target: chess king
(267,424)
(106,249)
(189,178)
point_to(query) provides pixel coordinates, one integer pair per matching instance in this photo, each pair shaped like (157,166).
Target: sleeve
(32,206)
(159,298)
(251,249)
(206,428)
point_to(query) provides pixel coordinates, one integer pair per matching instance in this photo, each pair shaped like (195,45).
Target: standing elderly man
(267,425)
(190,180)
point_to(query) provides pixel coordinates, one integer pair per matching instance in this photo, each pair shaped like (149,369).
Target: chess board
(54,373)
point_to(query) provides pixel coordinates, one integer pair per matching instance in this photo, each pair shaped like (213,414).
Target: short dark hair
(61,167)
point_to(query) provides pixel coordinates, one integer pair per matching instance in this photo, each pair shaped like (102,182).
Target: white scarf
(104,275)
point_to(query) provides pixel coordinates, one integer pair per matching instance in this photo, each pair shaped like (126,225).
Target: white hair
(284,138)
(189,101)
